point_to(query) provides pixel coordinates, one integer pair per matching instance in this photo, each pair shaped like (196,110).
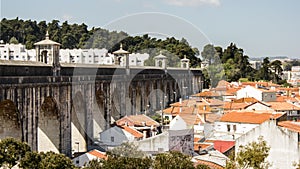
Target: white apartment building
(16,52)
(86,56)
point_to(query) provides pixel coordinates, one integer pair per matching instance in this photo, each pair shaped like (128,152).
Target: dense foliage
(231,64)
(13,151)
(253,155)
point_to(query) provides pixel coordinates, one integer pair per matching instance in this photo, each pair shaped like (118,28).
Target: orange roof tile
(180,110)
(235,106)
(291,125)
(232,90)
(246,100)
(212,117)
(285,98)
(214,102)
(207,94)
(208,163)
(191,119)
(248,117)
(132,131)
(223,146)
(282,106)
(137,120)
(98,154)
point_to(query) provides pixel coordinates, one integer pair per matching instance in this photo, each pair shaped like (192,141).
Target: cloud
(193,2)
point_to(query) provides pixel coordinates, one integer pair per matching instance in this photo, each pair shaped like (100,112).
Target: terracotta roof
(133,131)
(266,84)
(178,104)
(285,98)
(281,106)
(197,139)
(191,119)
(180,110)
(235,106)
(248,117)
(212,117)
(136,120)
(232,90)
(98,154)
(291,125)
(210,164)
(207,94)
(214,102)
(223,146)
(246,100)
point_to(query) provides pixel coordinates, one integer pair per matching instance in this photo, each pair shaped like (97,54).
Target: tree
(31,161)
(126,150)
(276,67)
(209,53)
(11,151)
(126,156)
(13,40)
(94,164)
(48,160)
(264,72)
(253,155)
(172,160)
(51,160)
(202,166)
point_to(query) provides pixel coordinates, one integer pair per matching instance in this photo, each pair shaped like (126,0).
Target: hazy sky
(261,28)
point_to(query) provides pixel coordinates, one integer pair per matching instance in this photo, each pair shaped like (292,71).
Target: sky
(261,28)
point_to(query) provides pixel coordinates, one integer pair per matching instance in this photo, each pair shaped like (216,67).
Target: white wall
(258,106)
(249,91)
(178,124)
(221,128)
(155,143)
(118,136)
(284,144)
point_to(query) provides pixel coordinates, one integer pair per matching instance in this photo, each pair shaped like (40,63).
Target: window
(112,139)
(228,127)
(234,127)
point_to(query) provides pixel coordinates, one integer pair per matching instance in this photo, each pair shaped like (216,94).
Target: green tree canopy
(172,160)
(48,160)
(11,151)
(253,155)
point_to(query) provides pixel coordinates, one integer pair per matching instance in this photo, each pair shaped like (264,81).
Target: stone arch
(49,126)
(101,117)
(44,55)
(10,123)
(78,124)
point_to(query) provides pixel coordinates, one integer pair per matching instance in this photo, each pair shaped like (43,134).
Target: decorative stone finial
(47,35)
(121,46)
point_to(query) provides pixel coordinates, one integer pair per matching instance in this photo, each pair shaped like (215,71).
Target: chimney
(144,134)
(256,85)
(180,100)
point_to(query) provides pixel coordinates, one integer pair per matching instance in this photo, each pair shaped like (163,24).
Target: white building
(85,158)
(16,52)
(116,135)
(283,142)
(83,56)
(259,93)
(234,124)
